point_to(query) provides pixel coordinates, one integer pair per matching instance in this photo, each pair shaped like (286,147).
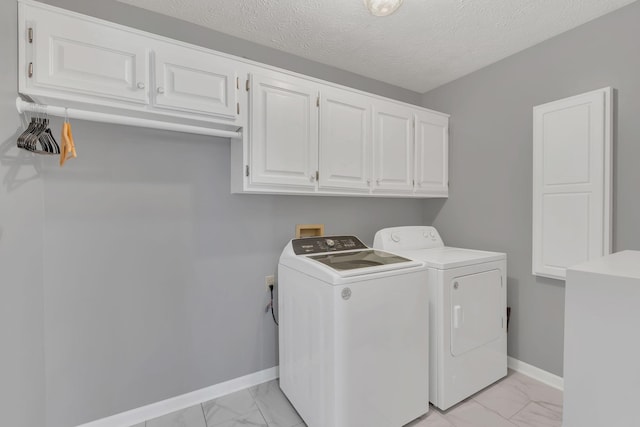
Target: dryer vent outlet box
(309,230)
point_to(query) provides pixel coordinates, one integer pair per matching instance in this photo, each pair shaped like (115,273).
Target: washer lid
(364,259)
(449,257)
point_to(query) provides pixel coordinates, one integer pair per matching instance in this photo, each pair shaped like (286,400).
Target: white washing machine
(468,325)
(353,333)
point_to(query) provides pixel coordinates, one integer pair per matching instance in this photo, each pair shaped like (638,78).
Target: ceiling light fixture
(382,7)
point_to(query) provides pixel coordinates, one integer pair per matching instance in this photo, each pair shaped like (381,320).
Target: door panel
(345,138)
(88,58)
(191,80)
(432,153)
(393,148)
(571,182)
(284,131)
(477,315)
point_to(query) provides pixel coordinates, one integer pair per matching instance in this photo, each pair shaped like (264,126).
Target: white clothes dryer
(353,333)
(467,295)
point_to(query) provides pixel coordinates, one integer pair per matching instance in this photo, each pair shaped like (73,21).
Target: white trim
(541,375)
(153,410)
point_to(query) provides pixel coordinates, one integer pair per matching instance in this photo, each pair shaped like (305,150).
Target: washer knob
(395,237)
(330,243)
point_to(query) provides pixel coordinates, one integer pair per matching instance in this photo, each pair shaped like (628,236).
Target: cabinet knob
(368,183)
(140,85)
(378,182)
(160,90)
(312,177)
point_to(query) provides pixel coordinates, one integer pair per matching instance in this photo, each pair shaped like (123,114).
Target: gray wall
(132,274)
(21,226)
(491,161)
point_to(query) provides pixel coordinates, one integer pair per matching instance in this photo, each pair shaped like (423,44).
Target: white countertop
(623,264)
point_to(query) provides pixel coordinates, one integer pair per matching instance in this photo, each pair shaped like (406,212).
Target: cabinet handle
(160,89)
(140,85)
(378,182)
(312,177)
(368,183)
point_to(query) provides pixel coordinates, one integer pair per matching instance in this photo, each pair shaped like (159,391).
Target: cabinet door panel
(571,182)
(87,58)
(393,148)
(284,131)
(432,153)
(196,81)
(345,139)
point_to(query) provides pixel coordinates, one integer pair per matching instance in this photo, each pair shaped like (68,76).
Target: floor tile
(228,407)
(473,414)
(534,390)
(190,417)
(274,405)
(253,418)
(536,415)
(505,398)
(431,419)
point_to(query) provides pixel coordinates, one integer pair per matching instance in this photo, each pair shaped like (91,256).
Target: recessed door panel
(345,140)
(87,58)
(284,131)
(191,80)
(393,148)
(571,182)
(432,153)
(476,310)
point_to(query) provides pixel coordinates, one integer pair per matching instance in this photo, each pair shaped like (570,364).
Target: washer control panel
(314,245)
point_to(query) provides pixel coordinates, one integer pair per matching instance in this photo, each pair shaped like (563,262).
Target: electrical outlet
(269,280)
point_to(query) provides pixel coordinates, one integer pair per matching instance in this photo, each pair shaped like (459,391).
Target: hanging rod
(73,113)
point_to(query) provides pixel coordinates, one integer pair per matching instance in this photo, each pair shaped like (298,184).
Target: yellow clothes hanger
(68,149)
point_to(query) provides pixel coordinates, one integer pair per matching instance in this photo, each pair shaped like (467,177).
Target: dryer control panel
(314,245)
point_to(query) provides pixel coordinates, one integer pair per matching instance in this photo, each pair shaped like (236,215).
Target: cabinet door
(345,139)
(85,57)
(284,131)
(571,182)
(393,148)
(195,81)
(432,153)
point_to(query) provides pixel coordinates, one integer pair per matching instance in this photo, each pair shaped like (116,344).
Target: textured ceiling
(425,44)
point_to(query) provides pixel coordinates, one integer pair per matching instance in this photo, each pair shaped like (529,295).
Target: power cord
(271,304)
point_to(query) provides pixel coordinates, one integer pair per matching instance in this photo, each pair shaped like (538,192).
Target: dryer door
(476,310)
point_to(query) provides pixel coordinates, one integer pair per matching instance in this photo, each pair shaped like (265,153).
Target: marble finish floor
(515,401)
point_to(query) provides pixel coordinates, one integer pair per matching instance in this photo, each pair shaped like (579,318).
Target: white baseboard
(147,412)
(536,373)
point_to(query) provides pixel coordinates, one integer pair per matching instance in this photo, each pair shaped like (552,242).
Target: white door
(432,153)
(195,81)
(571,182)
(393,148)
(78,55)
(284,131)
(477,310)
(345,140)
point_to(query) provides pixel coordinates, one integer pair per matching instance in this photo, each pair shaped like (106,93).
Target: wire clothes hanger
(37,137)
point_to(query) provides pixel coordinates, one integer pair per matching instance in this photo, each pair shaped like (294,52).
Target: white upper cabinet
(432,153)
(195,80)
(297,134)
(393,138)
(345,140)
(71,59)
(283,131)
(83,57)
(571,182)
